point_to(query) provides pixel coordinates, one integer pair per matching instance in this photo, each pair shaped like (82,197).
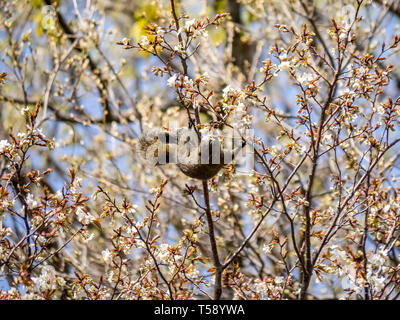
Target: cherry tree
(313,90)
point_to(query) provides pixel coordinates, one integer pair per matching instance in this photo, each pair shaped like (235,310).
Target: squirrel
(197,157)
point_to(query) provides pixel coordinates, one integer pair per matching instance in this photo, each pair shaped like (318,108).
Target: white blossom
(343,35)
(4,144)
(267,248)
(284,65)
(279,280)
(171,81)
(24,110)
(46,280)
(187,81)
(189,24)
(144,41)
(32,203)
(160,32)
(163,253)
(228,90)
(89,238)
(107,256)
(305,78)
(84,217)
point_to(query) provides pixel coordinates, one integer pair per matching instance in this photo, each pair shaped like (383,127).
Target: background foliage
(82,216)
